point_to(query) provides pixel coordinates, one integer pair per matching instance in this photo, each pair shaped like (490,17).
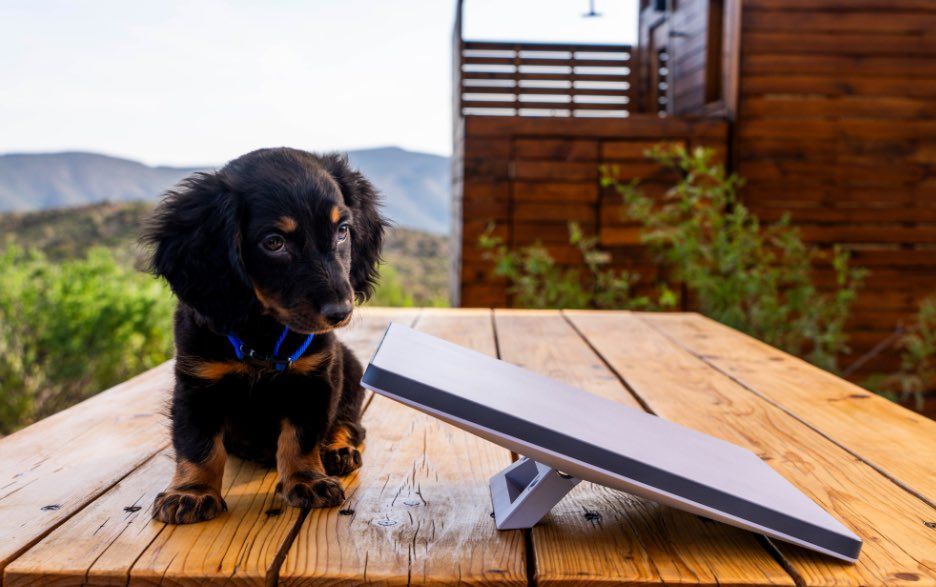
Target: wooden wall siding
(701,38)
(532,176)
(688,47)
(836,124)
(543,79)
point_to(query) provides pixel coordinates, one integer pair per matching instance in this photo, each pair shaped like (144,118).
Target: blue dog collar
(242,351)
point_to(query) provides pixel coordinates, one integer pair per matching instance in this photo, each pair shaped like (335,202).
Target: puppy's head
(277,231)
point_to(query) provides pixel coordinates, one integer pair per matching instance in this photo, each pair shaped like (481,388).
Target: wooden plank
(872,214)
(792,106)
(592,77)
(105,542)
(847,129)
(849,415)
(55,467)
(421,505)
(837,6)
(114,528)
(898,546)
(527,46)
(243,547)
(633,150)
(637,127)
(868,234)
(238,548)
(621,60)
(836,65)
(556,149)
(836,20)
(564,212)
(569,91)
(803,43)
(840,84)
(562,170)
(600,536)
(543,105)
(556,191)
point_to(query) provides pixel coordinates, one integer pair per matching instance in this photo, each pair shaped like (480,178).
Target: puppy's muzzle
(337,313)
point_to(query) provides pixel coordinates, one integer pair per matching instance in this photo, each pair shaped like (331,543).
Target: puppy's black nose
(335,313)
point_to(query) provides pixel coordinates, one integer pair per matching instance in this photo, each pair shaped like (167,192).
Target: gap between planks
(705,359)
(126,574)
(273,572)
(768,546)
(883,559)
(527,532)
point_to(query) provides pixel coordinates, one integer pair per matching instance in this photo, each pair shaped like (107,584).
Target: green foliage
(393,291)
(917,372)
(72,328)
(76,318)
(537,281)
(749,275)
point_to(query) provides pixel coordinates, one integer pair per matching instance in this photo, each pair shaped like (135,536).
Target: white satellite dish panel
(561,428)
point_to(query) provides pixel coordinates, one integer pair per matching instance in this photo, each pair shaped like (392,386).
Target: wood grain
(597,535)
(419,509)
(240,547)
(55,467)
(899,548)
(889,437)
(115,527)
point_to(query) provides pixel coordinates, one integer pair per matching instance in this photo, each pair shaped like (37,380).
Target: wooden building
(826,107)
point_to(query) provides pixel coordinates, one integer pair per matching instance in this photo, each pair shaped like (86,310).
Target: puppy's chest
(279,394)
(254,413)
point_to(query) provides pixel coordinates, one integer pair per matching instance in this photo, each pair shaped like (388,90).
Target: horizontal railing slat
(501,45)
(558,62)
(510,67)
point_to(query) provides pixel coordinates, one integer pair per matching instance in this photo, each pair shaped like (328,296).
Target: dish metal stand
(525,491)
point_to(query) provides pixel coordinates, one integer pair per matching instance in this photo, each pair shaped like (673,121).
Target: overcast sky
(201,81)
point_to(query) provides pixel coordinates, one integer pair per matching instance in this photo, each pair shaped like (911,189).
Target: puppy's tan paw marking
(341,460)
(187,505)
(312,490)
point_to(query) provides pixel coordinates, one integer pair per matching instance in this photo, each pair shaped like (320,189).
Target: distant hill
(415,185)
(418,260)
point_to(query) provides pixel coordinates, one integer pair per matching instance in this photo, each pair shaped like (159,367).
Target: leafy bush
(752,276)
(392,291)
(71,329)
(917,372)
(537,281)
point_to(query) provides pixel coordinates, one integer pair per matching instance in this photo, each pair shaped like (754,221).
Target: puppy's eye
(343,230)
(273,243)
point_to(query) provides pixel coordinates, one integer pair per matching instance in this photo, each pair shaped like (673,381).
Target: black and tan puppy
(267,257)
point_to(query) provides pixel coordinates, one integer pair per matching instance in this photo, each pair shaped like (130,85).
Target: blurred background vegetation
(724,262)
(78,316)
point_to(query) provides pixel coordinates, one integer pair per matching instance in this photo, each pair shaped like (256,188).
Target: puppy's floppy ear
(196,233)
(369,226)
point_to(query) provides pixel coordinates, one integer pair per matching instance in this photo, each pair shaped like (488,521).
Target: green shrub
(392,291)
(73,328)
(537,281)
(917,373)
(755,277)
(752,276)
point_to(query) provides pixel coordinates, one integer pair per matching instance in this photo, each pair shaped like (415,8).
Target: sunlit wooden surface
(75,489)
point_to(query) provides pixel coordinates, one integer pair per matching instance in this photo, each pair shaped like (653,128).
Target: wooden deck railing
(543,79)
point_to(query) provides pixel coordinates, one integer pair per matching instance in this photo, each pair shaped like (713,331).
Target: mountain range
(415,186)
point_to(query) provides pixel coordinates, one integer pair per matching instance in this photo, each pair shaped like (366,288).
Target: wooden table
(75,488)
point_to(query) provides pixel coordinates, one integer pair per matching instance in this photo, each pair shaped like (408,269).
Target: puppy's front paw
(188,505)
(311,490)
(341,460)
